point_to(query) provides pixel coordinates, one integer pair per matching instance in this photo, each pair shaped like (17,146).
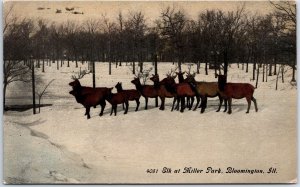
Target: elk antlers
(80,74)
(172,73)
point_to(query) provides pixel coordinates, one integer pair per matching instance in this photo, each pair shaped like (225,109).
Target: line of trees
(216,39)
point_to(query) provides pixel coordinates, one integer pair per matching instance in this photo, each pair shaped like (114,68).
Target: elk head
(155,78)
(76,84)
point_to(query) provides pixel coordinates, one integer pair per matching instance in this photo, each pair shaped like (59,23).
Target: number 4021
(152,170)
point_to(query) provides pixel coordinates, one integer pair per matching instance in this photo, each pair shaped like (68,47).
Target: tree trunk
(39,104)
(293,77)
(57,64)
(270,69)
(263,76)
(253,72)
(76,61)
(179,66)
(141,67)
(257,74)
(282,73)
(43,68)
(38,63)
(266,73)
(155,64)
(94,75)
(4,94)
(225,63)
(206,71)
(109,67)
(198,67)
(133,67)
(33,88)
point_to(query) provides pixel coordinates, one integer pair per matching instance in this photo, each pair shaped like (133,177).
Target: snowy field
(60,145)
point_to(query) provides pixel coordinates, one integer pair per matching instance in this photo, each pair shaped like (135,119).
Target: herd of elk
(167,88)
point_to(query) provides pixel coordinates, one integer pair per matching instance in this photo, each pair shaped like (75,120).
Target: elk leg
(162,105)
(102,104)
(146,103)
(204,104)
(249,104)
(225,104)
(87,111)
(255,104)
(137,104)
(115,109)
(178,102)
(229,105)
(220,104)
(198,100)
(182,104)
(126,107)
(174,100)
(192,102)
(123,106)
(112,109)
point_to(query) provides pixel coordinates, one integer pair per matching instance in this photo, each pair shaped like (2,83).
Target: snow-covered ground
(60,145)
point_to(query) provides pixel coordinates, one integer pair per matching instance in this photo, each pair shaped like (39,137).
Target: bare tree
(41,92)
(172,26)
(17,50)
(92,28)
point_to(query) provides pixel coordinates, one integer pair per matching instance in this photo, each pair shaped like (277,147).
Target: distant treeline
(216,38)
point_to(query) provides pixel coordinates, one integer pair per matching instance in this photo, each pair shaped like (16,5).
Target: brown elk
(115,99)
(131,95)
(89,100)
(181,90)
(162,91)
(231,91)
(204,90)
(82,94)
(147,91)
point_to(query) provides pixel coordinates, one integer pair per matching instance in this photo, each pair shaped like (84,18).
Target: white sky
(95,9)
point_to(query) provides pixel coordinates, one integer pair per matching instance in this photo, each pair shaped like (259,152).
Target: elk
(89,100)
(181,90)
(82,94)
(115,99)
(147,91)
(131,95)
(190,77)
(229,91)
(204,90)
(162,91)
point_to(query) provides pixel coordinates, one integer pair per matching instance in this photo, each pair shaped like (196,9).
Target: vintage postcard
(149,92)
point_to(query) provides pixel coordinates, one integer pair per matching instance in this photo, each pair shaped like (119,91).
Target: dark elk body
(131,95)
(89,97)
(205,90)
(115,99)
(147,91)
(231,91)
(161,91)
(180,90)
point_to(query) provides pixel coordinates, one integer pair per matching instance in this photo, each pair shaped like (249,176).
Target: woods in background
(216,39)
